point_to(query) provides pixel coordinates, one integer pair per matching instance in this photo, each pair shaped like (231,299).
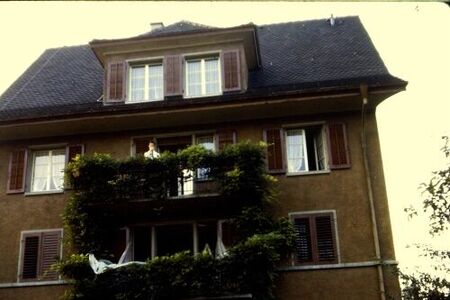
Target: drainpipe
(376,239)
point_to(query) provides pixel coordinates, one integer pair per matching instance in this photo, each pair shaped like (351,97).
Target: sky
(412,39)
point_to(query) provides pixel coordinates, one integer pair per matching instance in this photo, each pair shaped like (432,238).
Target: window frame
(325,146)
(146,63)
(31,169)
(202,58)
(37,232)
(314,249)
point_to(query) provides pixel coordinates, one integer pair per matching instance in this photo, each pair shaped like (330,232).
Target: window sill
(44,193)
(144,101)
(363,264)
(308,173)
(202,96)
(31,283)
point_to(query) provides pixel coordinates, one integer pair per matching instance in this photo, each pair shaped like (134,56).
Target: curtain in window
(58,160)
(194,78)
(155,82)
(40,169)
(212,76)
(137,92)
(295,143)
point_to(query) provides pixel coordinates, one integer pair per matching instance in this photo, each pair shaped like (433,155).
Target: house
(309,89)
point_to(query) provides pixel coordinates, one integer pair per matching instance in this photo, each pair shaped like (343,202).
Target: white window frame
(49,171)
(307,166)
(202,60)
(146,66)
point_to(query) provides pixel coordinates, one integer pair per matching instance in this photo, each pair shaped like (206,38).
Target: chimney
(156,25)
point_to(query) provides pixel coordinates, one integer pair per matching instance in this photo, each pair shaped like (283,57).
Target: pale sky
(412,39)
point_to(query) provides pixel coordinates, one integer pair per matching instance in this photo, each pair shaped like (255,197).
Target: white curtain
(155,82)
(212,76)
(295,150)
(194,78)
(137,84)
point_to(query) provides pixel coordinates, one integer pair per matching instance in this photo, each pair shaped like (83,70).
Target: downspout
(376,239)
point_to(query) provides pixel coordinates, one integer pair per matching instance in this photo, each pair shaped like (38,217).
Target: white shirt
(151,154)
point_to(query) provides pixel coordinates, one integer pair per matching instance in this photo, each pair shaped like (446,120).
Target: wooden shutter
(141,145)
(274,141)
(225,137)
(50,254)
(73,150)
(173,75)
(116,82)
(231,71)
(338,146)
(30,258)
(325,239)
(303,240)
(17,171)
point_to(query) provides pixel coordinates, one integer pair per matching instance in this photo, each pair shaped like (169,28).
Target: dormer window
(203,77)
(146,82)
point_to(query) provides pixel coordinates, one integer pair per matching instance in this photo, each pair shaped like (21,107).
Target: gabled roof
(295,57)
(178,27)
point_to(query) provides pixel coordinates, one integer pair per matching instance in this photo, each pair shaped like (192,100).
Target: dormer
(181,61)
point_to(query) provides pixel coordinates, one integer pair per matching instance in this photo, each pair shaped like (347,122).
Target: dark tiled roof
(304,55)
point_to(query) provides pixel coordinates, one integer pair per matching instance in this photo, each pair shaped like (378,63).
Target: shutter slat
(325,240)
(226,137)
(273,140)
(51,242)
(30,257)
(338,146)
(173,75)
(231,70)
(17,170)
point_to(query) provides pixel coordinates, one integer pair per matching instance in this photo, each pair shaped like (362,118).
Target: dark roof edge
(392,88)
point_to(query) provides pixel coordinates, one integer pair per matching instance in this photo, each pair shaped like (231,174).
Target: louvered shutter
(17,171)
(273,139)
(324,237)
(141,145)
(173,75)
(338,146)
(116,82)
(225,137)
(50,254)
(231,71)
(303,240)
(30,258)
(73,150)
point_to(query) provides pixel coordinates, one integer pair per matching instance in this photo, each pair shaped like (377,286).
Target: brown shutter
(50,254)
(30,258)
(325,239)
(225,137)
(231,71)
(173,75)
(338,146)
(17,171)
(303,240)
(274,140)
(116,82)
(73,150)
(141,145)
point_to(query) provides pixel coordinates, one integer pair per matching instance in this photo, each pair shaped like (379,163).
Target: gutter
(373,215)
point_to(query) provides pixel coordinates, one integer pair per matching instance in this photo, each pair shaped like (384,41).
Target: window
(39,251)
(305,150)
(203,77)
(315,238)
(47,170)
(146,82)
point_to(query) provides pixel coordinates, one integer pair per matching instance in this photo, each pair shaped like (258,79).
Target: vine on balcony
(249,266)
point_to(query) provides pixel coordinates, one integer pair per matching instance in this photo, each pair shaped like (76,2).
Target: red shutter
(50,254)
(273,138)
(116,82)
(173,75)
(338,146)
(141,145)
(17,171)
(73,150)
(30,258)
(325,239)
(226,137)
(231,71)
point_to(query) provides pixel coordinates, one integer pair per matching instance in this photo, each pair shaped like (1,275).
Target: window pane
(194,79)
(295,150)
(137,84)
(212,76)
(48,170)
(155,82)
(57,169)
(40,171)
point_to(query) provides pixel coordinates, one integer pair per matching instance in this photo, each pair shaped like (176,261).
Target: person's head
(151,146)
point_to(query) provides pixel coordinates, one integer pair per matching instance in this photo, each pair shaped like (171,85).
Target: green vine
(249,267)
